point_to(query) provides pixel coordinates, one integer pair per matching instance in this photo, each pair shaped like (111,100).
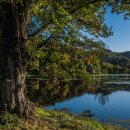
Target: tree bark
(14,57)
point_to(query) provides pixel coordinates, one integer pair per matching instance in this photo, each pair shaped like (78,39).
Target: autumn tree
(22,21)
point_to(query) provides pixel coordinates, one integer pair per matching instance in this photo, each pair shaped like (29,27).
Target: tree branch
(80,7)
(43,28)
(44,42)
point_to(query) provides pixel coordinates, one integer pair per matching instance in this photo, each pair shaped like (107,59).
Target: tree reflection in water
(45,93)
(102,99)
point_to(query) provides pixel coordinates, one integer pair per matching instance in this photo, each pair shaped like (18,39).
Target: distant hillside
(114,62)
(126,54)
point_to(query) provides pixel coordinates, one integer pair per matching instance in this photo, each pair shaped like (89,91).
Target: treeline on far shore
(60,61)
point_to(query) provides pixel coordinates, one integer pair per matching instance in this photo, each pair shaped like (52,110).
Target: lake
(103,96)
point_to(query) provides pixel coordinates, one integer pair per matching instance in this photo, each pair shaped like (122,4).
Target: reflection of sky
(120,41)
(118,106)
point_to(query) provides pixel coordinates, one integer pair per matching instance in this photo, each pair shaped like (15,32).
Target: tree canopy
(67,20)
(65,24)
(70,22)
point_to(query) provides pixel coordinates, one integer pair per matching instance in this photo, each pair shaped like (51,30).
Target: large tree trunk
(14,57)
(12,82)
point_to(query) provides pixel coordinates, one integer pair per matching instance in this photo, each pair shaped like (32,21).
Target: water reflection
(49,92)
(101,97)
(46,93)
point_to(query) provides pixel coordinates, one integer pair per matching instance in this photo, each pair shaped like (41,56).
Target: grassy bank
(52,120)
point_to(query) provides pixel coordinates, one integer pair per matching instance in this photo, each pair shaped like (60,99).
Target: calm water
(116,105)
(104,96)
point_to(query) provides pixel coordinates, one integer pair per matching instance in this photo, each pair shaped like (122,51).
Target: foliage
(116,63)
(67,53)
(61,61)
(66,23)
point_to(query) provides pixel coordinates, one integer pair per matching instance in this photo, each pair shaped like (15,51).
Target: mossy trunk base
(12,82)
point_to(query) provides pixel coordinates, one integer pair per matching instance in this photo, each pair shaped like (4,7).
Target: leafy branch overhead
(52,17)
(59,17)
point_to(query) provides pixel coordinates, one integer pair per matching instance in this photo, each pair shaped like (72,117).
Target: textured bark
(14,57)
(12,82)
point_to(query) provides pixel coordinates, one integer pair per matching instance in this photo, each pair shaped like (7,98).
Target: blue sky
(120,41)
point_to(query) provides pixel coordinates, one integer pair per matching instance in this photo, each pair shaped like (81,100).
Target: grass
(53,120)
